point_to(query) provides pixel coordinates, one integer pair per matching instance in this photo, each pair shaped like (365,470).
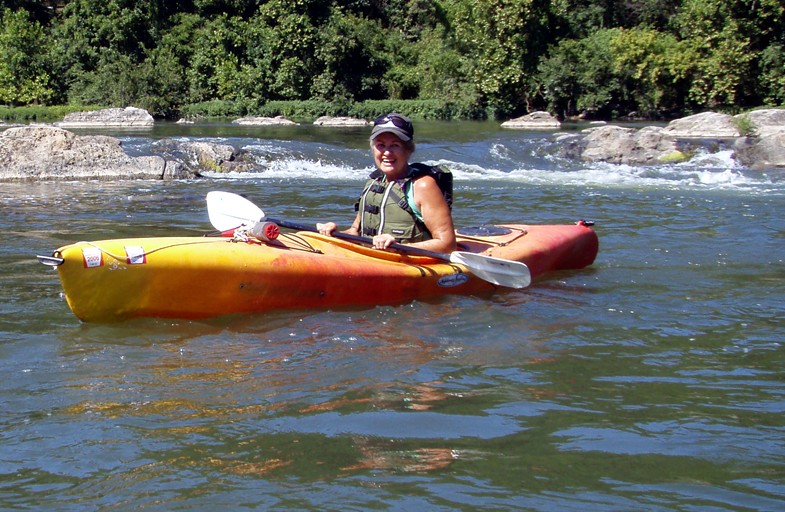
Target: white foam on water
(710,171)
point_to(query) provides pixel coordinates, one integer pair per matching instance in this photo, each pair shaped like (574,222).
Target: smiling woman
(402,202)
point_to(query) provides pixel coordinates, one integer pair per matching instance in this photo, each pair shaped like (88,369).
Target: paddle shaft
(228,211)
(363,240)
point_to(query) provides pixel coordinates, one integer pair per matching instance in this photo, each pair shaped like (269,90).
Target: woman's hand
(327,228)
(383,241)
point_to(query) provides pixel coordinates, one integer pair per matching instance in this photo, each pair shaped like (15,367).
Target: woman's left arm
(436,215)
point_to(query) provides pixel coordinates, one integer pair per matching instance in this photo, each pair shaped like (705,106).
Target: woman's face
(391,155)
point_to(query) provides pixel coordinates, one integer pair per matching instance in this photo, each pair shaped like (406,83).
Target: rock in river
(46,152)
(128,117)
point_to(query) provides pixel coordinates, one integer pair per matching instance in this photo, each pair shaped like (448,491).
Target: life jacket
(384,206)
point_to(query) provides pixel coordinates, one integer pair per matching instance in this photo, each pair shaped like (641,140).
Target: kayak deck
(199,277)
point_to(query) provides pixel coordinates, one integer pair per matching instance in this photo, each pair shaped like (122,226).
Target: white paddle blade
(230,211)
(512,274)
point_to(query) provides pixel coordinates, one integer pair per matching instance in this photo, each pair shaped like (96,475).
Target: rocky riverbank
(757,138)
(50,152)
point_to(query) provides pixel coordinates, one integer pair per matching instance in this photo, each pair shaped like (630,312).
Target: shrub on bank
(417,109)
(304,109)
(313,109)
(212,109)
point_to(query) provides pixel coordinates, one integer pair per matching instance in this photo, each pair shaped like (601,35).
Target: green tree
(288,28)
(653,68)
(772,78)
(126,27)
(116,82)
(579,76)
(218,47)
(443,72)
(350,52)
(99,45)
(405,24)
(762,22)
(162,90)
(24,78)
(165,75)
(209,8)
(723,53)
(500,41)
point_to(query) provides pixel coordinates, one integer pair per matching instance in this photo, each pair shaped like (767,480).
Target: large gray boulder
(763,122)
(201,156)
(760,153)
(707,125)
(534,121)
(615,144)
(264,121)
(128,117)
(46,152)
(763,147)
(340,121)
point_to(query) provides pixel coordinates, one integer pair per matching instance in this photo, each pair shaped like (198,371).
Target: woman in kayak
(402,202)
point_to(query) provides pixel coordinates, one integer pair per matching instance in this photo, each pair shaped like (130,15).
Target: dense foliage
(457,58)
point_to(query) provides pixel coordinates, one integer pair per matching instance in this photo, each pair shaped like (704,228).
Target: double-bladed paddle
(230,211)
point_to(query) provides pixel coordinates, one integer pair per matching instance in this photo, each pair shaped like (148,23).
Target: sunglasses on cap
(396,119)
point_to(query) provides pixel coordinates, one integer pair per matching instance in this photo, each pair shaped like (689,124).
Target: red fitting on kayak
(266,231)
(271,230)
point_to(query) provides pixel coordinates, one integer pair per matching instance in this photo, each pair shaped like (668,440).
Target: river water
(652,380)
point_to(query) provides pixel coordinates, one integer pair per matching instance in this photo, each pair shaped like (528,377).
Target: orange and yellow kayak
(200,277)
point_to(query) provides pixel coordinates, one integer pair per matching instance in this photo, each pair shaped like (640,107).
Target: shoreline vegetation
(306,110)
(432,59)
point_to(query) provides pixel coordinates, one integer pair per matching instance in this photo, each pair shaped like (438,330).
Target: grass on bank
(313,109)
(41,114)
